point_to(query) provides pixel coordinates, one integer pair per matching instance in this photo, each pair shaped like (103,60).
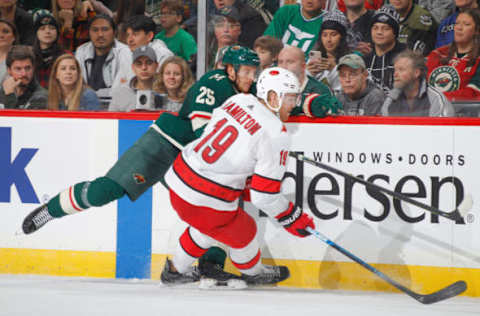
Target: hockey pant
(236,229)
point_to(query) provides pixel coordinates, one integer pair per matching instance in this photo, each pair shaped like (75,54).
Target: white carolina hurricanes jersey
(243,139)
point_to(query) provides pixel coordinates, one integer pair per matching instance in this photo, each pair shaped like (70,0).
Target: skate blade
(212,284)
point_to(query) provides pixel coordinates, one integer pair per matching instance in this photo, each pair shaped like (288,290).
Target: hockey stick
(440,295)
(454,215)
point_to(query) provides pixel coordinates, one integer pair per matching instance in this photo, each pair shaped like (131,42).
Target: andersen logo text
(336,183)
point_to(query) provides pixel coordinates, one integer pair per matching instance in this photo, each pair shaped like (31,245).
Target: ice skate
(36,219)
(214,277)
(170,277)
(268,275)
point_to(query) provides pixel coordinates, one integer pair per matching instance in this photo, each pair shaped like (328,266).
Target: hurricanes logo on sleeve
(445,78)
(139,179)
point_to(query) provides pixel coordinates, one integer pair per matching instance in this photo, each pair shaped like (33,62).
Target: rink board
(433,160)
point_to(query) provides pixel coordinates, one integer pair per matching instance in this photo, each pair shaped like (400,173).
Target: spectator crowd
(358,57)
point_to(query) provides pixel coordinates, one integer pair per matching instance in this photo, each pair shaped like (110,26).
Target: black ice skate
(269,275)
(36,219)
(213,276)
(170,277)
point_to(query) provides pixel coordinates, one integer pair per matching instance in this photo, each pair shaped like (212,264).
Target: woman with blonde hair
(67,90)
(173,80)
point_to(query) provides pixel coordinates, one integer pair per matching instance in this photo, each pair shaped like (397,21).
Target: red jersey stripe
(203,185)
(265,185)
(249,264)
(190,246)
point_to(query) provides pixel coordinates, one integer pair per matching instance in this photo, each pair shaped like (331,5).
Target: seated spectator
(45,45)
(445,30)
(439,9)
(384,32)
(178,41)
(298,24)
(173,81)
(417,26)
(73,25)
(100,58)
(331,45)
(249,19)
(8,33)
(360,20)
(22,20)
(412,96)
(226,32)
(267,49)
(125,10)
(453,69)
(67,90)
(140,32)
(358,94)
(127,96)
(368,4)
(20,89)
(317,99)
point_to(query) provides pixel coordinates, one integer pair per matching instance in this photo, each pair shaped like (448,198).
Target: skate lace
(41,218)
(270,272)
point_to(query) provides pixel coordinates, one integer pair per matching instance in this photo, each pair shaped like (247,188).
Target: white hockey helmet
(279,80)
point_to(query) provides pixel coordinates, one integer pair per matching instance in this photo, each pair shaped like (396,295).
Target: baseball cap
(146,51)
(353,61)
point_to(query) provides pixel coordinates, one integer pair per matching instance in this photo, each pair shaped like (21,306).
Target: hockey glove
(295,221)
(316,105)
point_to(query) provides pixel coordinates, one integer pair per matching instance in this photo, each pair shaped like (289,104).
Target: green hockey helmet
(238,55)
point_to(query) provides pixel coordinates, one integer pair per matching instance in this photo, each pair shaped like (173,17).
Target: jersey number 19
(224,138)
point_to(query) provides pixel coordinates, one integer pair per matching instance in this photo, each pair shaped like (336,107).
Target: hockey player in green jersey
(145,163)
(297,24)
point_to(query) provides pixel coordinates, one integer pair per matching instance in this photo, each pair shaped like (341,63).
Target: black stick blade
(450,291)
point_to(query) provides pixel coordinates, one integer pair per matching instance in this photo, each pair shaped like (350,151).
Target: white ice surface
(41,295)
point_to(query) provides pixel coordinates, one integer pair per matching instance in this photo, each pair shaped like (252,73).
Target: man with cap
(358,94)
(138,93)
(140,31)
(99,58)
(384,31)
(45,46)
(417,26)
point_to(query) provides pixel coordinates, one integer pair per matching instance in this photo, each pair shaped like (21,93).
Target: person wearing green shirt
(297,24)
(179,41)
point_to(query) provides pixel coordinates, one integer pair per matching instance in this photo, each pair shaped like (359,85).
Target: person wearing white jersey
(245,138)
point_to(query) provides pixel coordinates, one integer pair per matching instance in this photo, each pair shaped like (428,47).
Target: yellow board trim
(58,262)
(304,274)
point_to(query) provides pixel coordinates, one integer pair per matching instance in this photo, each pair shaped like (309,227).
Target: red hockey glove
(295,221)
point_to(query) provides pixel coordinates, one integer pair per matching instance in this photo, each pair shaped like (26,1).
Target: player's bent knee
(103,190)
(242,231)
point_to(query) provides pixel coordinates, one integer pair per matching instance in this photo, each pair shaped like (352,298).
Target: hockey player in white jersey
(245,139)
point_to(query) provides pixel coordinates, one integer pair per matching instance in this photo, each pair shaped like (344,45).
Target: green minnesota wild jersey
(293,29)
(208,93)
